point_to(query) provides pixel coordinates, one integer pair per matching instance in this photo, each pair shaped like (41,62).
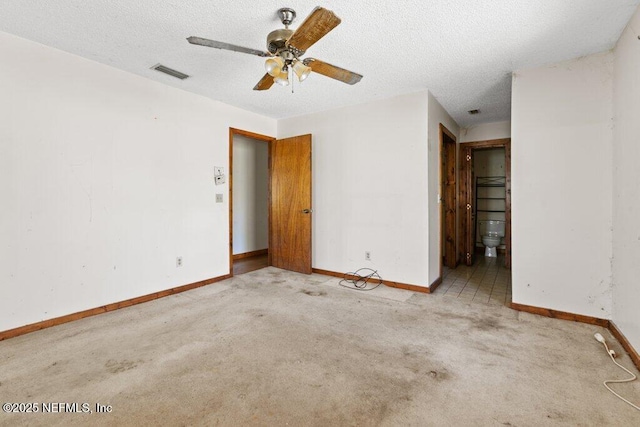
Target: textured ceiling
(462,51)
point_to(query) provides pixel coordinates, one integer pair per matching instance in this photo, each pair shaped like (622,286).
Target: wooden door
(467,199)
(448,180)
(507,201)
(290,208)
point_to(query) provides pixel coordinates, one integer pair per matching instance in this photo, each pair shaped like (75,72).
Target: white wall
(626,184)
(562,185)
(250,195)
(437,116)
(105,177)
(370,186)
(486,131)
(489,162)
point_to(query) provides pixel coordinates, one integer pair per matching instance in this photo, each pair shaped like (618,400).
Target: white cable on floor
(611,354)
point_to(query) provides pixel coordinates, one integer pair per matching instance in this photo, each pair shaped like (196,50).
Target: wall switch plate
(218,170)
(219,198)
(219,179)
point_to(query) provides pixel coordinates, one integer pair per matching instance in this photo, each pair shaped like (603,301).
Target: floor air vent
(170,71)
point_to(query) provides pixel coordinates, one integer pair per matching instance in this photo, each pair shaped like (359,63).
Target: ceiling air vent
(170,71)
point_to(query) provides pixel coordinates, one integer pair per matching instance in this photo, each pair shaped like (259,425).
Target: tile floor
(485,282)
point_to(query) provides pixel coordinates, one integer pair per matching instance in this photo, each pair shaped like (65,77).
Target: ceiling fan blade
(265,82)
(332,71)
(226,46)
(317,25)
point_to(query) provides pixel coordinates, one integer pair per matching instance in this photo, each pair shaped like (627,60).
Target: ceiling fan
(285,47)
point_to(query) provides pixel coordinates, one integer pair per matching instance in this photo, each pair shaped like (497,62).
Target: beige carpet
(279,348)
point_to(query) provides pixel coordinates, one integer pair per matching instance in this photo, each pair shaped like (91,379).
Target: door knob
(307,211)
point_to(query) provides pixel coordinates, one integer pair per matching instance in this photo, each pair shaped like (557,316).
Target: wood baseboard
(547,312)
(250,254)
(391,284)
(105,308)
(435,285)
(624,342)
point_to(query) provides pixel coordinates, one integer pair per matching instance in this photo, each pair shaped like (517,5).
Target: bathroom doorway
(485,195)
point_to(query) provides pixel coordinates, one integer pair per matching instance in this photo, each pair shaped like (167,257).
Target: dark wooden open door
(507,237)
(467,209)
(290,208)
(449,200)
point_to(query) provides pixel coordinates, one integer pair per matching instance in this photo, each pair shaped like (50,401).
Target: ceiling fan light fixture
(282,79)
(301,70)
(285,47)
(274,66)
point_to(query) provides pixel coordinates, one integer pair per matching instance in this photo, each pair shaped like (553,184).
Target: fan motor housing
(276,40)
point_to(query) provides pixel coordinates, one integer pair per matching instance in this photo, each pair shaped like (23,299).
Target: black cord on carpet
(355,278)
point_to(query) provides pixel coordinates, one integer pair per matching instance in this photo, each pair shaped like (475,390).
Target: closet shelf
(486,201)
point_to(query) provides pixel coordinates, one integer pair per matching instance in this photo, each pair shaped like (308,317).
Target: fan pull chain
(291,79)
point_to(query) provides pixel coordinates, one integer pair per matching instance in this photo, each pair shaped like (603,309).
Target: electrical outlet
(179,261)
(219,198)
(367,256)
(218,170)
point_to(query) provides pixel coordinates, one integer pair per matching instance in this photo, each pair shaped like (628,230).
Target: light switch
(218,173)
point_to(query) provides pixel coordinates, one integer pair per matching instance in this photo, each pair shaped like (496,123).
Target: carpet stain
(555,415)
(314,293)
(117,366)
(487,324)
(256,313)
(439,376)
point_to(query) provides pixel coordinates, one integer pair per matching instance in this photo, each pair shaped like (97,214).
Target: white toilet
(492,233)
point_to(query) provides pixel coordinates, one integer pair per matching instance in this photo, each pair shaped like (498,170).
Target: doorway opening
(248,201)
(484,194)
(281,198)
(485,202)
